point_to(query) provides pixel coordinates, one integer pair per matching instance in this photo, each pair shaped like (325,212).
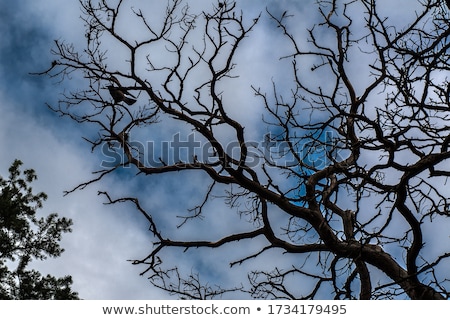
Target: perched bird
(119,94)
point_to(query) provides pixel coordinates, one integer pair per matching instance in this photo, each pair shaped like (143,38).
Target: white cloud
(103,237)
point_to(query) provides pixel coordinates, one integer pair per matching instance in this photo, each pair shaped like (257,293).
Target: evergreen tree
(24,237)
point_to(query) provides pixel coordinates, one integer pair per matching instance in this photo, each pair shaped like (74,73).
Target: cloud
(104,237)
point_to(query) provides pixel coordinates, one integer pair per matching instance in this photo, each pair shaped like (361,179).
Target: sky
(105,237)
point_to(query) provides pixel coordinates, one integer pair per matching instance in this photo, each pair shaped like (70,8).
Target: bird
(119,94)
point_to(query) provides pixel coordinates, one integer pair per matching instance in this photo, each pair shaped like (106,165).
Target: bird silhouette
(119,94)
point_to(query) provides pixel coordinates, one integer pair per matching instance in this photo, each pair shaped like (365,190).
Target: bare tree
(350,178)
